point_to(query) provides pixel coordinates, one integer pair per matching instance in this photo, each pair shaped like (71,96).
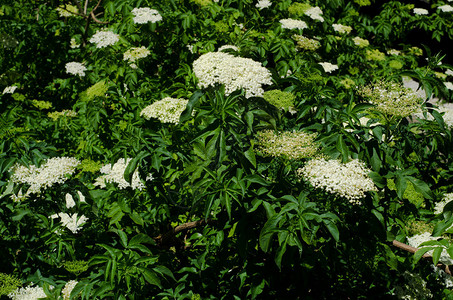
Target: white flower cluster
(349,180)
(224,47)
(70,200)
(449,85)
(293,24)
(53,171)
(445,8)
(233,72)
(416,240)
(362,43)
(72,222)
(115,174)
(314,13)
(69,286)
(145,14)
(167,110)
(263,4)
(291,145)
(9,89)
(342,28)
(104,38)
(136,53)
(449,72)
(75,68)
(439,207)
(328,67)
(28,293)
(420,11)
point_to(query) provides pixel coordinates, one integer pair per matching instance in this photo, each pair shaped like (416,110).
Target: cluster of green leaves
(218,220)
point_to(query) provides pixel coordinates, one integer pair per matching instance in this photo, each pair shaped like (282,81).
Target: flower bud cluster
(290,145)
(342,28)
(348,180)
(233,72)
(392,98)
(136,53)
(280,99)
(315,13)
(361,43)
(306,43)
(64,113)
(67,10)
(167,110)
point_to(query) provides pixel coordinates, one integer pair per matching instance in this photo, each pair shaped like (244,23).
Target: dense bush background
(219,219)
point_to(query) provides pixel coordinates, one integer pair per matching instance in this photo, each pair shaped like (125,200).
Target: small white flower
(74,44)
(234,48)
(75,68)
(66,291)
(9,89)
(449,72)
(328,67)
(420,11)
(136,53)
(145,14)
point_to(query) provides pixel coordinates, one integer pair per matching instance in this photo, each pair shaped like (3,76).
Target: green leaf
(420,253)
(140,239)
(267,232)
(132,165)
(279,254)
(151,277)
(436,254)
(250,155)
(333,229)
(440,227)
(187,113)
(401,185)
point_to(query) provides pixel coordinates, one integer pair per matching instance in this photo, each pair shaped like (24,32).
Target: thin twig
(163,239)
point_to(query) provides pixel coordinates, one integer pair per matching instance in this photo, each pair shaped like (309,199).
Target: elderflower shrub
(104,38)
(52,171)
(28,293)
(280,99)
(348,180)
(9,89)
(233,72)
(68,113)
(69,286)
(115,174)
(305,43)
(75,68)
(167,110)
(290,145)
(136,53)
(72,222)
(261,4)
(328,67)
(392,99)
(342,29)
(67,10)
(293,24)
(361,43)
(144,15)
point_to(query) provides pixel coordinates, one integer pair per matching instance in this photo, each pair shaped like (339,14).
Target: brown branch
(85,8)
(96,20)
(413,250)
(166,238)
